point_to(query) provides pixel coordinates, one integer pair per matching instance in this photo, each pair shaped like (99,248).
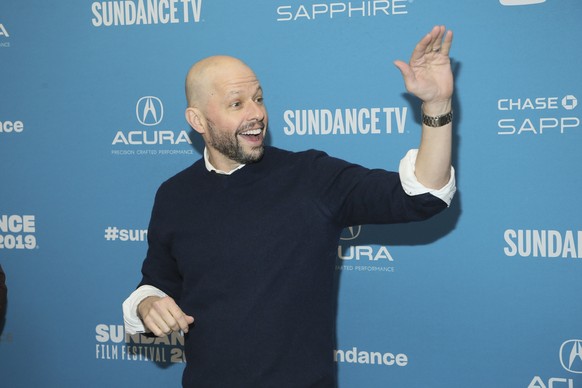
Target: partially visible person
(3,295)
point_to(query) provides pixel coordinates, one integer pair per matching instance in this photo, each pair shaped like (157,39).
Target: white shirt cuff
(133,323)
(412,186)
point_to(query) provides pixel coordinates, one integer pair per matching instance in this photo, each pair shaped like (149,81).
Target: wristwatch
(437,121)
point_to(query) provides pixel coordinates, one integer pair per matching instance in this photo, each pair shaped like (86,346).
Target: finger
(159,315)
(423,45)
(171,315)
(188,320)
(436,35)
(429,43)
(182,321)
(156,324)
(447,43)
(421,48)
(168,318)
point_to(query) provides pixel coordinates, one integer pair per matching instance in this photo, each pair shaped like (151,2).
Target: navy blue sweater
(251,256)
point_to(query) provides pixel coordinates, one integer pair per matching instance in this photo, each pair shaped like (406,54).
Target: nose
(257,112)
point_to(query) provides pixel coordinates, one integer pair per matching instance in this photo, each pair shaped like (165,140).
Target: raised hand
(428,74)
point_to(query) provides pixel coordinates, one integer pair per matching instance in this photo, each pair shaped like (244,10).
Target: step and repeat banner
(486,294)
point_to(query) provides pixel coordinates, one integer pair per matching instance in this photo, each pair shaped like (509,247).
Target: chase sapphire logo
(569,102)
(571,356)
(351,233)
(149,111)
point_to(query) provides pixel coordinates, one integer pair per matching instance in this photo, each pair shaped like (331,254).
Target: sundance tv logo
(145,12)
(543,243)
(149,112)
(348,121)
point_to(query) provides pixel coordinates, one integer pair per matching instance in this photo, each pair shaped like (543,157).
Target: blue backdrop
(486,294)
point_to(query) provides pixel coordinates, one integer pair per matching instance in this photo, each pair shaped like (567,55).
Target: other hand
(162,316)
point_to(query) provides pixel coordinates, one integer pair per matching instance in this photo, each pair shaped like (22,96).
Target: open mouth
(252,134)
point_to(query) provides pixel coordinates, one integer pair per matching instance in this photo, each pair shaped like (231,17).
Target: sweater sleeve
(160,268)
(354,195)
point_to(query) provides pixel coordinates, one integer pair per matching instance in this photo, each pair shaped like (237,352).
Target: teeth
(252,132)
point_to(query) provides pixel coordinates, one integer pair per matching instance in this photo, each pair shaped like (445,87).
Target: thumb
(403,67)
(407,74)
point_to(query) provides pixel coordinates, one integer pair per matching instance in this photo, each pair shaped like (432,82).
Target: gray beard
(230,146)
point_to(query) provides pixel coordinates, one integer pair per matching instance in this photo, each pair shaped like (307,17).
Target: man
(245,240)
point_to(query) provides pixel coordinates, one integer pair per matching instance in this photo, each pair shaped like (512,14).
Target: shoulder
(312,166)
(277,155)
(184,179)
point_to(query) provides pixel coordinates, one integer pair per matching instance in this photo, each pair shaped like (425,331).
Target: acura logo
(149,111)
(3,31)
(571,355)
(351,233)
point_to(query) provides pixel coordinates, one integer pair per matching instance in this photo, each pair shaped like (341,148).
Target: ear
(196,119)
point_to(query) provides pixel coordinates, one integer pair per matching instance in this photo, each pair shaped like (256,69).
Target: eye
(235,104)
(259,100)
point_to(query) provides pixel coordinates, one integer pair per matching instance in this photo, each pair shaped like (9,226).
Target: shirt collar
(210,167)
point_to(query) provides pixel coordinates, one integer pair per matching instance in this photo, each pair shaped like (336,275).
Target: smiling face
(226,107)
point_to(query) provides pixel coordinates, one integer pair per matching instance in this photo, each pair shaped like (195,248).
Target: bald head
(226,107)
(206,76)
